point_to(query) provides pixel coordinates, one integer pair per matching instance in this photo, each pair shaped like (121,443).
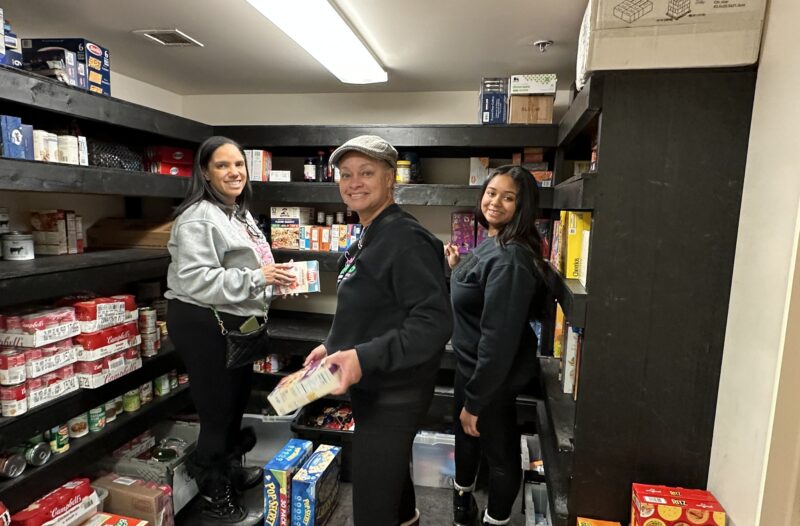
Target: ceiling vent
(169,37)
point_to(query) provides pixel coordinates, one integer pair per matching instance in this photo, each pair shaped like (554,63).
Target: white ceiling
(425,45)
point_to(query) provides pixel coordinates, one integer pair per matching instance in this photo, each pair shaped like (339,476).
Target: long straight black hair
(200,189)
(522,227)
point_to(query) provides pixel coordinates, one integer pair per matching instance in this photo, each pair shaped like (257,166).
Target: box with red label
(170,154)
(101,313)
(51,391)
(665,506)
(71,501)
(111,519)
(96,345)
(110,368)
(50,232)
(164,168)
(38,364)
(39,329)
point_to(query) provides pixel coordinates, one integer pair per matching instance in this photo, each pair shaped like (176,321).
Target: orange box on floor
(665,506)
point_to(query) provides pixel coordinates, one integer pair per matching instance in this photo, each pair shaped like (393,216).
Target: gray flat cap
(371,146)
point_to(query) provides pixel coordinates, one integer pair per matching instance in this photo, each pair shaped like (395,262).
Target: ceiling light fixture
(319,29)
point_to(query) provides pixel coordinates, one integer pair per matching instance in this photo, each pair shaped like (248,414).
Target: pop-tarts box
(315,486)
(94,62)
(12,138)
(278,481)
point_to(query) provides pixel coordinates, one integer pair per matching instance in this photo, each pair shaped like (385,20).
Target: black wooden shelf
(328,261)
(576,193)
(14,430)
(571,295)
(33,90)
(49,276)
(581,112)
(556,478)
(34,482)
(560,406)
(430,140)
(38,176)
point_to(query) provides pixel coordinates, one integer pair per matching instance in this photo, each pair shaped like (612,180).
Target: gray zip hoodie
(214,262)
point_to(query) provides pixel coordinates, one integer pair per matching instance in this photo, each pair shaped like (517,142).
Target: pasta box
(278,475)
(315,486)
(94,62)
(666,506)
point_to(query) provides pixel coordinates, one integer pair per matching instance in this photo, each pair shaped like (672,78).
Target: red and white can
(14,324)
(12,367)
(34,354)
(151,343)
(13,400)
(34,384)
(147,319)
(36,322)
(48,350)
(64,344)
(49,378)
(128,299)
(131,354)
(68,371)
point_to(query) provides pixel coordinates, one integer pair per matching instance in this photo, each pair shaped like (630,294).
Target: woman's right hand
(279,274)
(452,255)
(317,353)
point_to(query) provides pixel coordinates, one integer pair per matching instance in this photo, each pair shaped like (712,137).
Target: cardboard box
(113,232)
(530,109)
(307,274)
(60,64)
(40,337)
(285,237)
(134,498)
(644,34)
(533,84)
(303,387)
(478,170)
(659,505)
(165,168)
(11,138)
(596,522)
(315,486)
(170,154)
(493,108)
(94,61)
(279,176)
(112,519)
(574,223)
(278,474)
(291,215)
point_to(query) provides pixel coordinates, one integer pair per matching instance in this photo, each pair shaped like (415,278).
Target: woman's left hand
(349,369)
(469,422)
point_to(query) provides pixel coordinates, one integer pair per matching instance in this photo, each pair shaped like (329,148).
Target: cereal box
(303,387)
(665,506)
(278,475)
(307,275)
(462,233)
(315,486)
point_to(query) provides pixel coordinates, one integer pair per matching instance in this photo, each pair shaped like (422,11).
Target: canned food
(162,328)
(37,322)
(34,384)
(118,405)
(147,319)
(11,465)
(146,392)
(38,453)
(33,354)
(14,324)
(68,371)
(173,379)
(64,344)
(17,246)
(49,378)
(78,426)
(13,400)
(183,379)
(97,419)
(111,411)
(12,367)
(48,351)
(162,385)
(131,401)
(131,354)
(59,438)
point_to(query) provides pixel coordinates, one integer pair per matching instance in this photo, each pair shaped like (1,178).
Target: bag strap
(222,328)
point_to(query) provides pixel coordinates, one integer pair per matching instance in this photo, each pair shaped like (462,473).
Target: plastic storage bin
(302,428)
(434,459)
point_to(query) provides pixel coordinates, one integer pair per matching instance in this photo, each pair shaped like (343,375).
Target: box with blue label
(93,61)
(278,475)
(315,487)
(12,138)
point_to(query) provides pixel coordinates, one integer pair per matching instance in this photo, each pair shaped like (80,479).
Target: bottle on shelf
(309,171)
(403,172)
(320,218)
(321,166)
(351,216)
(329,170)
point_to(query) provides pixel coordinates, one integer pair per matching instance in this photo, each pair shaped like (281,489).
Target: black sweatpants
(219,394)
(386,423)
(499,443)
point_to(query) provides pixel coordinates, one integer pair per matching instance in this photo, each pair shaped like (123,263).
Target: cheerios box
(315,486)
(278,475)
(665,506)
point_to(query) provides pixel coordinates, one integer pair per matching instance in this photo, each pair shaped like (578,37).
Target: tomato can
(12,367)
(13,400)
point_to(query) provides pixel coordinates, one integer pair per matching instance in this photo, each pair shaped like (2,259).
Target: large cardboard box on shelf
(115,232)
(530,109)
(94,62)
(641,34)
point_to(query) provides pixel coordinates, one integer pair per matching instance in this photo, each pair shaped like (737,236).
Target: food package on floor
(111,519)
(663,505)
(64,505)
(136,498)
(315,486)
(278,474)
(306,276)
(303,387)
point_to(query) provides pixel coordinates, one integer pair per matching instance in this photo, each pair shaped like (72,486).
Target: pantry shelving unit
(665,203)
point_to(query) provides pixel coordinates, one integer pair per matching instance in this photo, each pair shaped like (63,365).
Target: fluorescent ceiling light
(321,30)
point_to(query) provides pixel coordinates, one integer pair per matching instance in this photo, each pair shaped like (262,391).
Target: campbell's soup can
(5,515)
(13,400)
(14,324)
(12,367)
(147,319)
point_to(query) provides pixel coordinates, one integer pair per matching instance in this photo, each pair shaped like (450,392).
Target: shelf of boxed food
(328,261)
(40,418)
(557,474)
(583,109)
(40,176)
(26,88)
(50,276)
(17,492)
(576,193)
(570,294)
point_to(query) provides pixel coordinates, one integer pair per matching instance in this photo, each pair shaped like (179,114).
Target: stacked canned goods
(13,388)
(150,331)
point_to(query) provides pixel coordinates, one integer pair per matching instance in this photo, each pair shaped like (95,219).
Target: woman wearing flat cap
(392,322)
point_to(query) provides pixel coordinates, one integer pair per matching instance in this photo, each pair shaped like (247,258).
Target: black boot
(245,477)
(465,510)
(220,503)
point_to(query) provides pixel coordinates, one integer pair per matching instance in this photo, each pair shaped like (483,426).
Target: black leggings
(499,443)
(219,394)
(386,424)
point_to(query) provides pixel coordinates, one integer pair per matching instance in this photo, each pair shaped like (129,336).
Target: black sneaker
(220,505)
(465,510)
(245,477)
